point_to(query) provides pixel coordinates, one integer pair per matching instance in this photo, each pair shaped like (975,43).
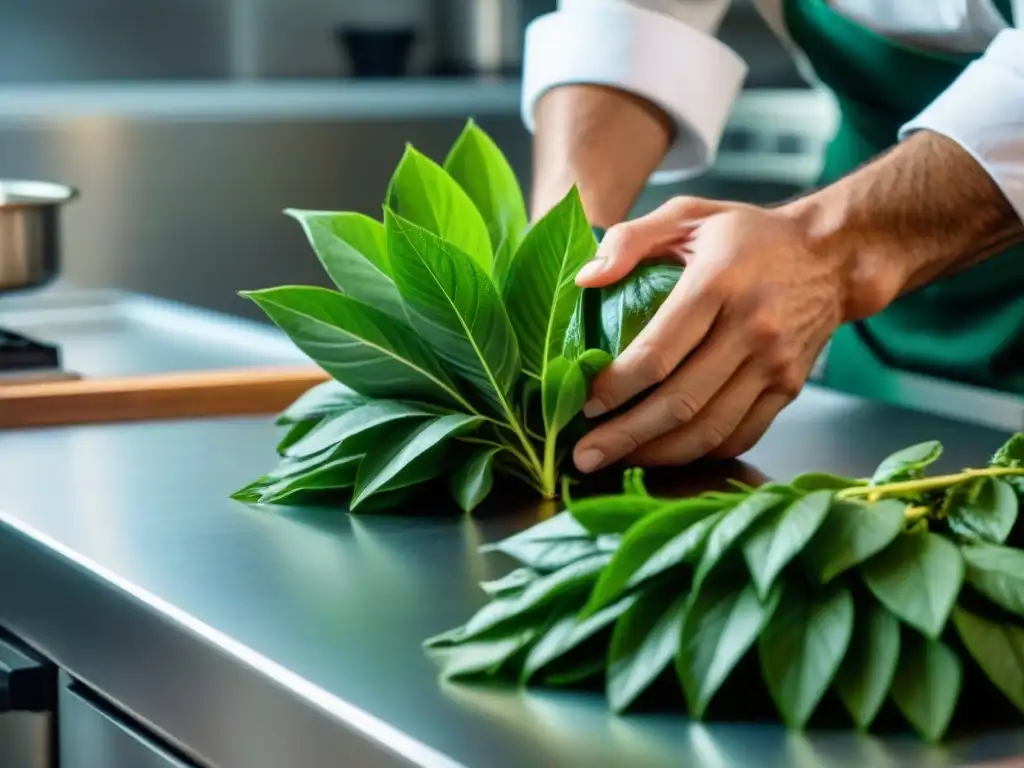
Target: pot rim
(24,193)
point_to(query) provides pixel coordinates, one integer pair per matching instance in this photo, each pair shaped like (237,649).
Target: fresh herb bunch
(458,342)
(876,589)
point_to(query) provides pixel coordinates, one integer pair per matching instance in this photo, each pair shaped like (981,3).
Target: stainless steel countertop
(259,639)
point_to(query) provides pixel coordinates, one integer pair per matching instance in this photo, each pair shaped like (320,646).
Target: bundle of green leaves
(878,590)
(458,343)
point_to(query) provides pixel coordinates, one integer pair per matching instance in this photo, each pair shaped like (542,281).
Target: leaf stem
(874,492)
(549,479)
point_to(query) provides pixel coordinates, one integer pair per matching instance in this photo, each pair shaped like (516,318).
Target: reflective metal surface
(255,637)
(30,232)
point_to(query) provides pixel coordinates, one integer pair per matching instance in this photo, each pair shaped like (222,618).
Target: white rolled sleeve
(676,65)
(983,111)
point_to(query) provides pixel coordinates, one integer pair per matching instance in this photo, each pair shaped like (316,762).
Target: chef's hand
(731,346)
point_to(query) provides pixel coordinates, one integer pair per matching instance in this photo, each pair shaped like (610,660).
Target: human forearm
(921,212)
(606,141)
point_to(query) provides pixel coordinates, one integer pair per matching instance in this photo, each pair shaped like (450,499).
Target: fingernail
(590,270)
(593,408)
(589,460)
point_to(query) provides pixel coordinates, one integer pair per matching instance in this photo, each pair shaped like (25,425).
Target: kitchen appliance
(479,37)
(29,258)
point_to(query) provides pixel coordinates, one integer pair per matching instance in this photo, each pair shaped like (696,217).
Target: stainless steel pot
(30,232)
(479,37)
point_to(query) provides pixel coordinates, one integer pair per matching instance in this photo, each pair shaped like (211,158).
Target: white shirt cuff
(983,111)
(690,75)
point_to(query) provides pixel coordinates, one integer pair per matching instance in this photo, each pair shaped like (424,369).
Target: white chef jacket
(667,52)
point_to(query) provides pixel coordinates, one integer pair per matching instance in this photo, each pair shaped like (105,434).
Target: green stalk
(549,479)
(925,484)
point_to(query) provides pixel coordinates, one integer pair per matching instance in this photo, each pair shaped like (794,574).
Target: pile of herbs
(880,592)
(457,341)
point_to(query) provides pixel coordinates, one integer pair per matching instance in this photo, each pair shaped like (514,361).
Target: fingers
(753,427)
(675,404)
(712,428)
(679,326)
(627,244)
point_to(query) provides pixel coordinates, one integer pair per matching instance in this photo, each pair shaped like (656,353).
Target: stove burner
(20,353)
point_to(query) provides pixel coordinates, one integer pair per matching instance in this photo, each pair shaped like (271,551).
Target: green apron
(968,327)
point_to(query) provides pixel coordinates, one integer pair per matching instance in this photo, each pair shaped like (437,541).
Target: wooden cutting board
(179,395)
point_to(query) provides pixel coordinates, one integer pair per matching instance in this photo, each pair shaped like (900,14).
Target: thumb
(650,236)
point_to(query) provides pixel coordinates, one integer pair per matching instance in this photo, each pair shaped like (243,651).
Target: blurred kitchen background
(188,125)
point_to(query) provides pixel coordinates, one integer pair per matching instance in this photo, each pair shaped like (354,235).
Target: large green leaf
(413,458)
(365,419)
(802,647)
(486,657)
(483,171)
(644,641)
(917,577)
(352,250)
(362,347)
(611,514)
(907,463)
(520,609)
(685,547)
(852,533)
(866,673)
(331,475)
(455,308)
(997,573)
(423,193)
(563,394)
(513,581)
(776,542)
(731,529)
(548,545)
(541,291)
(570,633)
(327,399)
(629,305)
(474,478)
(996,647)
(641,541)
(720,627)
(927,685)
(984,509)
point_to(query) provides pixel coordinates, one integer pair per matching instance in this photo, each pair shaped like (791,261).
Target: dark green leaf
(359,421)
(683,548)
(720,627)
(351,249)
(482,170)
(521,608)
(641,541)
(591,361)
(569,633)
(362,347)
(474,478)
(563,394)
(802,646)
(927,685)
(548,545)
(422,193)
(327,399)
(917,577)
(410,460)
(1010,453)
(293,434)
(998,648)
(541,291)
(820,481)
(503,263)
(628,306)
(455,308)
(485,658)
(775,543)
(907,463)
(611,514)
(984,510)
(644,641)
(337,473)
(852,532)
(731,528)
(867,671)
(514,581)
(997,573)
